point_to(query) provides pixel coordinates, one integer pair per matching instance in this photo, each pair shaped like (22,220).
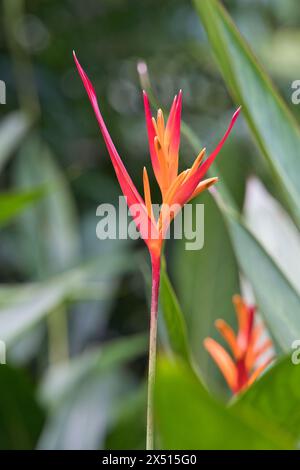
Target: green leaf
(21,417)
(173,318)
(276,396)
(11,204)
(206,280)
(277,299)
(273,126)
(262,214)
(188,417)
(13,128)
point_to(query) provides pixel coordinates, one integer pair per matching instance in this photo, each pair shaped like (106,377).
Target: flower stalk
(156,263)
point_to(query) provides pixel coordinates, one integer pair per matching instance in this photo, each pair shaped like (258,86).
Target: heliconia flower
(176,188)
(248,348)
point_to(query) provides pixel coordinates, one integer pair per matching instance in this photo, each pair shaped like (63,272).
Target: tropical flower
(176,188)
(249,348)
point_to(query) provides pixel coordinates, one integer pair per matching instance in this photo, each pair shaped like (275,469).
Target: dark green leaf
(273,126)
(173,318)
(188,417)
(276,396)
(21,418)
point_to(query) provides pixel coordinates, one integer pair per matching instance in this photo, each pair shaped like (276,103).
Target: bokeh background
(73,309)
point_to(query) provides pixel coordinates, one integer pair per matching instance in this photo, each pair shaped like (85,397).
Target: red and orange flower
(248,348)
(176,188)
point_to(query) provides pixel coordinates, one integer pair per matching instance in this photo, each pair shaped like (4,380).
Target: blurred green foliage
(68,300)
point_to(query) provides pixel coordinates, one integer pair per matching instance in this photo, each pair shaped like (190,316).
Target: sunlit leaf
(173,318)
(273,126)
(277,299)
(273,227)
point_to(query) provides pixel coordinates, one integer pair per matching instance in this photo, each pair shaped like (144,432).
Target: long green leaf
(206,280)
(174,318)
(272,124)
(277,299)
(21,416)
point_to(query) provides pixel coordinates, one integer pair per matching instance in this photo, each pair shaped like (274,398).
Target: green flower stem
(155,261)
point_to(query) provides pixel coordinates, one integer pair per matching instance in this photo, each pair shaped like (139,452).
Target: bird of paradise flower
(248,348)
(176,190)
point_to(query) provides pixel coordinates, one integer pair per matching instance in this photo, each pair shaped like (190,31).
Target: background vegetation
(73,310)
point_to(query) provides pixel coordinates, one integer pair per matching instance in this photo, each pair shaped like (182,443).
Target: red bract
(248,348)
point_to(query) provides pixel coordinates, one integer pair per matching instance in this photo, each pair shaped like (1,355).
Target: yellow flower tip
(211,181)
(147,193)
(219,323)
(154,125)
(237,299)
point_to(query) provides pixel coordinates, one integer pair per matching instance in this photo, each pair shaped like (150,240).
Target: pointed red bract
(248,348)
(151,136)
(145,224)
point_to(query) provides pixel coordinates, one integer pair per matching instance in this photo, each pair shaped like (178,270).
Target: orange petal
(203,185)
(151,134)
(242,316)
(258,372)
(160,126)
(197,162)
(257,331)
(175,139)
(163,174)
(170,124)
(223,361)
(174,186)
(147,193)
(229,336)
